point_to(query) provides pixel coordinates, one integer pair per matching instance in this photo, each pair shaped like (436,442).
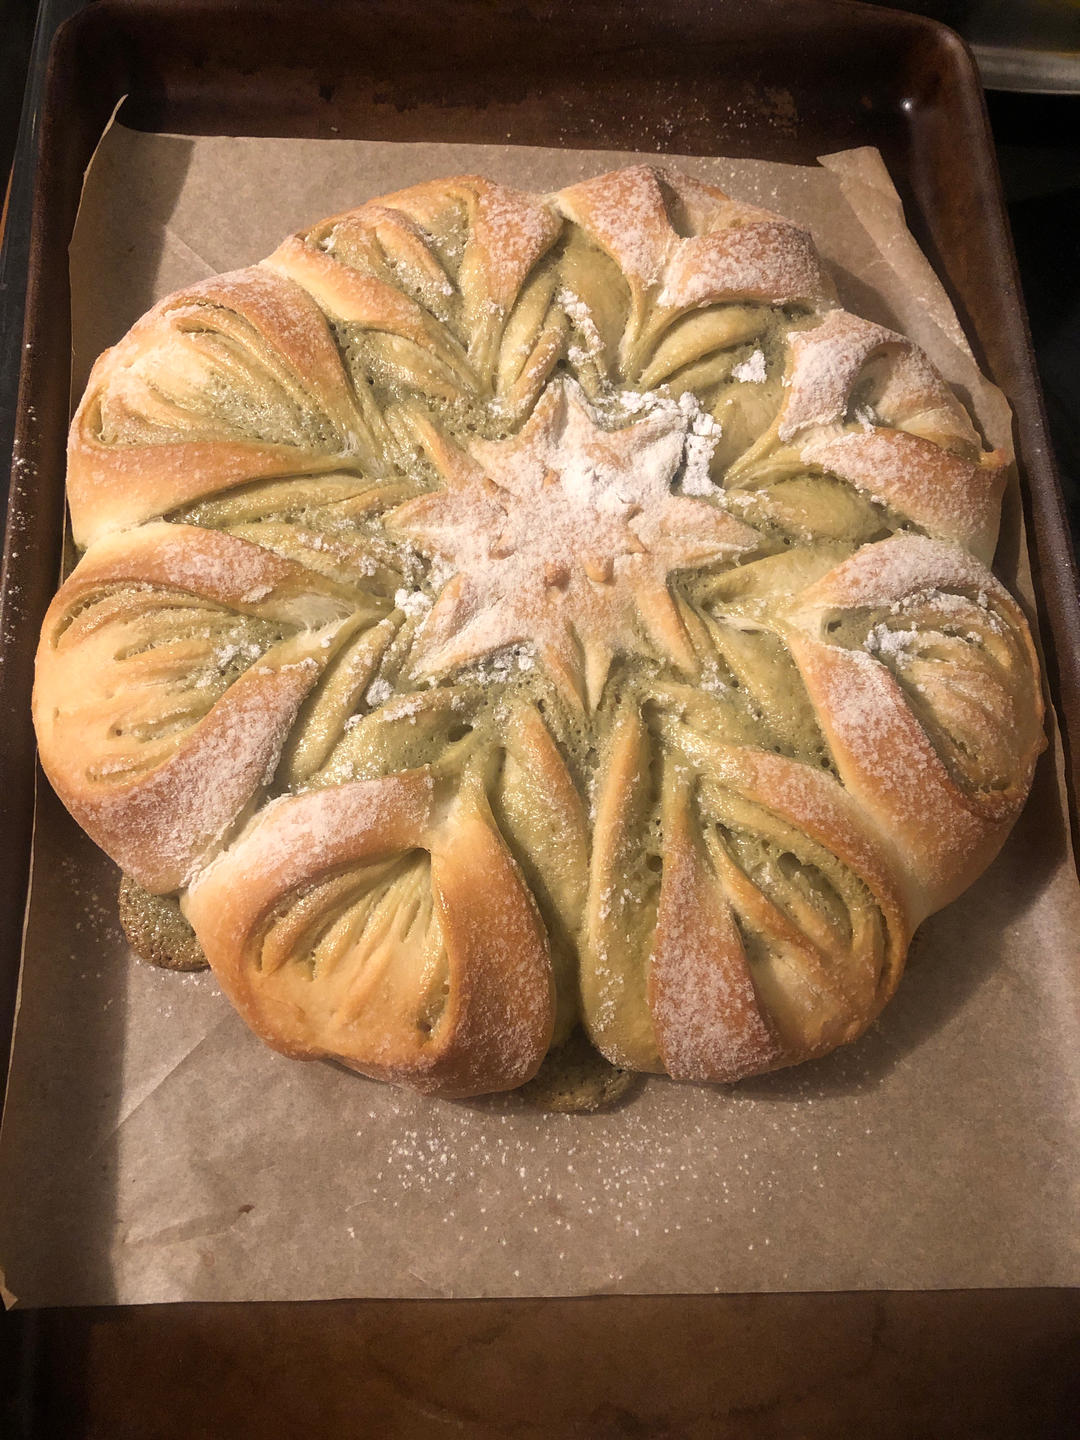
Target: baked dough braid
(503,612)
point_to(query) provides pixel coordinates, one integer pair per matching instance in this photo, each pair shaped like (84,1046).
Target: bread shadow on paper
(863,299)
(114,277)
(954,954)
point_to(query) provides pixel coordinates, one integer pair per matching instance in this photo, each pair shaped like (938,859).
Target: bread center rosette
(563,539)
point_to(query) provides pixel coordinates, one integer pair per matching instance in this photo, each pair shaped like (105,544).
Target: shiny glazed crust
(499,612)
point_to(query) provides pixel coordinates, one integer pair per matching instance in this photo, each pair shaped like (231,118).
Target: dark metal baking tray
(775,79)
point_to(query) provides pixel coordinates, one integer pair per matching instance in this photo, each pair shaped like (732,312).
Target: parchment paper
(153,1150)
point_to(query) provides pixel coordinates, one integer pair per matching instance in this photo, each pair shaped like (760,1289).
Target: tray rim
(1049,537)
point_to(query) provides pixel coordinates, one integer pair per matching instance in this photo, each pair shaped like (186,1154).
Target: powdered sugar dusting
(625,211)
(162,827)
(565,527)
(581,315)
(512,229)
(903,565)
(701,437)
(882,639)
(708,1020)
(296,837)
(378,692)
(414,603)
(825,364)
(952,498)
(674,1176)
(770,261)
(752,370)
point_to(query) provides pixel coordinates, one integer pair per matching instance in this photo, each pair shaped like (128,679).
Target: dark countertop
(1038,146)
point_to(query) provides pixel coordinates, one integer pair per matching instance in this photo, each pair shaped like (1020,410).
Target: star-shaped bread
(564,538)
(503,613)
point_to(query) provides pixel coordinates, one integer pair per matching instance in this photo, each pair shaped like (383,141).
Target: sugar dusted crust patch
(509,619)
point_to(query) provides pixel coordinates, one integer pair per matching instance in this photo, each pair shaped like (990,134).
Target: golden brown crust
(475,1016)
(709,1019)
(943,829)
(152,764)
(689,999)
(182,451)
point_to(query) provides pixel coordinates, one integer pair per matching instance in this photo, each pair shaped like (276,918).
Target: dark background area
(1038,147)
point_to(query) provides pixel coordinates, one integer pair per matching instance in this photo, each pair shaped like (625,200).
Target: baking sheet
(153,1150)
